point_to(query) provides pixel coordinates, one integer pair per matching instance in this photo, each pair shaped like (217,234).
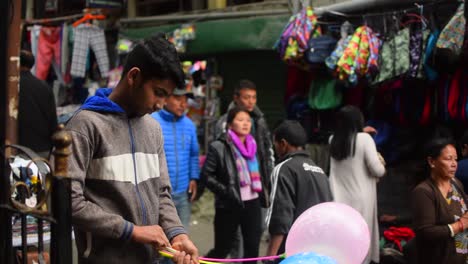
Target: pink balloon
(331,229)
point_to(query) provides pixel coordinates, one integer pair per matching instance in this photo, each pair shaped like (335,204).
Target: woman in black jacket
(231,172)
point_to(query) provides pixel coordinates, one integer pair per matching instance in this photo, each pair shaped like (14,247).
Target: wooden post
(14,35)
(61,231)
(10,21)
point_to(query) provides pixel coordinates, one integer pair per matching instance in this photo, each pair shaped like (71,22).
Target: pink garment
(49,45)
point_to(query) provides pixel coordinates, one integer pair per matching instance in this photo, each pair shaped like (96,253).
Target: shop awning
(224,35)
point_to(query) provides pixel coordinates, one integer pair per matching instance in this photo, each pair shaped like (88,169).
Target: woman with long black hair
(355,167)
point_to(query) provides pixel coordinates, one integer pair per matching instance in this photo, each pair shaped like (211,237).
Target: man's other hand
(188,253)
(153,235)
(193,190)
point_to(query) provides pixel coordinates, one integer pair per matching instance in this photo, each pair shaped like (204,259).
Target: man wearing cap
(181,147)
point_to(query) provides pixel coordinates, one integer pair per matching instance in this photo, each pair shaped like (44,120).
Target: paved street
(201,228)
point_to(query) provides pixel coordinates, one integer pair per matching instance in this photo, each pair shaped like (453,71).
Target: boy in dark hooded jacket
(297,184)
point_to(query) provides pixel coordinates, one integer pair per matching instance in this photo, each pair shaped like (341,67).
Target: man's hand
(153,235)
(188,253)
(193,190)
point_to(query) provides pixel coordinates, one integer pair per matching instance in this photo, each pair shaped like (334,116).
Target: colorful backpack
(359,58)
(294,39)
(451,37)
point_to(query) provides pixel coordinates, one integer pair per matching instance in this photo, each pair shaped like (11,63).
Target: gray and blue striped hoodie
(119,179)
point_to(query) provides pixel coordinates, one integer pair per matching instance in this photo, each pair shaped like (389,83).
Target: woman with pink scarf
(231,172)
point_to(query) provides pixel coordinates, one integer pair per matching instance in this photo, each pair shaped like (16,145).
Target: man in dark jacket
(37,115)
(297,184)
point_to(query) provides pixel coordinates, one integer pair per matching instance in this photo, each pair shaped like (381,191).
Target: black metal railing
(34,196)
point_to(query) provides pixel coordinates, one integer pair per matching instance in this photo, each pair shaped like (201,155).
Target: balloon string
(170,255)
(245,259)
(204,260)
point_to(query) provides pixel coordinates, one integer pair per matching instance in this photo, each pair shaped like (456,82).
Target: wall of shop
(265,70)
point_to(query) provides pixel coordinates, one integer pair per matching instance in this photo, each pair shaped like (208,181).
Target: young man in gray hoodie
(122,209)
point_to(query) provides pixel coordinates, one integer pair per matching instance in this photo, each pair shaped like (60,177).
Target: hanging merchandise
(418,42)
(415,103)
(449,45)
(65,48)
(87,35)
(359,58)
(319,49)
(394,57)
(431,74)
(451,37)
(180,36)
(346,31)
(294,39)
(324,94)
(197,66)
(114,77)
(124,46)
(455,96)
(48,49)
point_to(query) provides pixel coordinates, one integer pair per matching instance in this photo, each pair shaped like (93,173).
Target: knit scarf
(245,154)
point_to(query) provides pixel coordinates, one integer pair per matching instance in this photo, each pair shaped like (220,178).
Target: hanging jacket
(219,174)
(181,147)
(119,179)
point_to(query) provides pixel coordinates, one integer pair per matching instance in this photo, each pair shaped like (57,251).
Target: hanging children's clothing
(49,46)
(65,49)
(35,32)
(87,36)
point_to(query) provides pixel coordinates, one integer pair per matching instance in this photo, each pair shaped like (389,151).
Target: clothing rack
(94,11)
(52,20)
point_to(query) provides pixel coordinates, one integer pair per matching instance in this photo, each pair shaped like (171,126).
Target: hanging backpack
(324,94)
(450,43)
(320,48)
(394,56)
(430,72)
(294,39)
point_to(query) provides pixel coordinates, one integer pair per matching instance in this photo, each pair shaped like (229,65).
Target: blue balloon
(308,258)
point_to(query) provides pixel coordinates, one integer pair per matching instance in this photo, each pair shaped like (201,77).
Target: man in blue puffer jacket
(181,147)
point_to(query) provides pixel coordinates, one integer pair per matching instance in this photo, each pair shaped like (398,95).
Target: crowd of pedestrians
(135,176)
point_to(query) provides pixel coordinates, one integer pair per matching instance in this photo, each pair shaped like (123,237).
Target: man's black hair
(291,131)
(26,59)
(244,84)
(156,58)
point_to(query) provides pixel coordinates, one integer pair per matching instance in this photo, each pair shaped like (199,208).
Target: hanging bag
(324,94)
(294,39)
(446,56)
(394,56)
(320,48)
